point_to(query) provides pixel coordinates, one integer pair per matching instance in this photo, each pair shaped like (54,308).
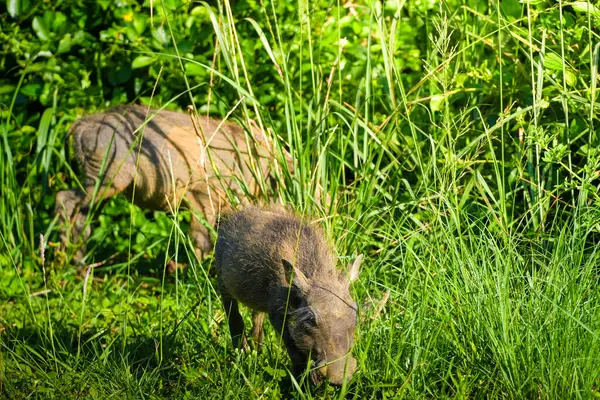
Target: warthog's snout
(338,371)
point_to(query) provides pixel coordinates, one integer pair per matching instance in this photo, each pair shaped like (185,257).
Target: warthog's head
(322,318)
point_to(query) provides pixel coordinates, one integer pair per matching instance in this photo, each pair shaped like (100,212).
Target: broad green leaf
(585,7)
(131,33)
(570,77)
(43,53)
(6,89)
(65,44)
(553,61)
(13,7)
(511,8)
(160,35)
(142,61)
(192,69)
(394,5)
(436,102)
(32,90)
(57,21)
(139,23)
(40,28)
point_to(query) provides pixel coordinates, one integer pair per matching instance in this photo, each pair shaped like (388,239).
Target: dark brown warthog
(273,262)
(170,164)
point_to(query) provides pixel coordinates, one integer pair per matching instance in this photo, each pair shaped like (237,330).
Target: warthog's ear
(293,276)
(354,268)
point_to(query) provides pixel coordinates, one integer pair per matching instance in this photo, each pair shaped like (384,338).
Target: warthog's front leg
(71,207)
(236,323)
(258,333)
(200,206)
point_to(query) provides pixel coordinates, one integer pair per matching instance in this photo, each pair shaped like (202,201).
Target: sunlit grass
(468,208)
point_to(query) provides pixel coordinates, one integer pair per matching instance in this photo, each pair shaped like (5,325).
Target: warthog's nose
(341,370)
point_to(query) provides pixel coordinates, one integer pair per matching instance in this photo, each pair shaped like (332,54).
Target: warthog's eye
(306,319)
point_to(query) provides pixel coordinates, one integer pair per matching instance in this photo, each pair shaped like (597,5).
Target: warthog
(157,160)
(275,263)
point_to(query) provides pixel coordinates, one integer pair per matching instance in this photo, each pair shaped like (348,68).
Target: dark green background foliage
(458,141)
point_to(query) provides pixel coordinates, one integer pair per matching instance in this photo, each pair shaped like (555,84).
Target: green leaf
(57,20)
(32,90)
(436,102)
(44,129)
(570,77)
(85,80)
(13,7)
(276,373)
(40,28)
(43,53)
(160,35)
(104,4)
(511,8)
(6,89)
(131,33)
(139,23)
(192,69)
(142,61)
(42,67)
(65,44)
(585,7)
(553,61)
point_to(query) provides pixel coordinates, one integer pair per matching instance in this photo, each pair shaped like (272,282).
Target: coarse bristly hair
(295,238)
(275,261)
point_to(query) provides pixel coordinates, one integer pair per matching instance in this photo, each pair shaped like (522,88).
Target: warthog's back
(252,244)
(171,154)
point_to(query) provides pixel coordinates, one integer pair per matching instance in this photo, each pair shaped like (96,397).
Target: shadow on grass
(99,363)
(56,358)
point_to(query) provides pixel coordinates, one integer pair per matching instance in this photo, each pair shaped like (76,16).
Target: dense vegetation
(457,139)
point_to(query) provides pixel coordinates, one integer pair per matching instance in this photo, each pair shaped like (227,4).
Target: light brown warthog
(170,165)
(273,262)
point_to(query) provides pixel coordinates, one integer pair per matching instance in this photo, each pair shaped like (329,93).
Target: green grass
(458,144)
